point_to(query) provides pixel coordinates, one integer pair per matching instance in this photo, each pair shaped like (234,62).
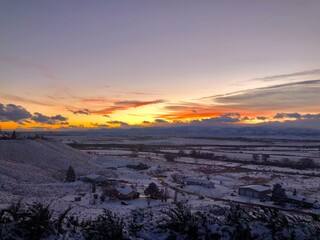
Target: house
(302,201)
(140,166)
(255,191)
(200,182)
(93,178)
(124,193)
(98,179)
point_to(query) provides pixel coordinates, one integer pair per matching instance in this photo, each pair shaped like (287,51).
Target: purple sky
(62,53)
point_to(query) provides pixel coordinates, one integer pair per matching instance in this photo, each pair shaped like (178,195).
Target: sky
(95,64)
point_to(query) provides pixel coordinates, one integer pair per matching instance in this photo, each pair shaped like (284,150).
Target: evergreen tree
(152,190)
(70,176)
(279,194)
(13,136)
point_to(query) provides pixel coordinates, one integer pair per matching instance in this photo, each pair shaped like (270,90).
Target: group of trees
(36,221)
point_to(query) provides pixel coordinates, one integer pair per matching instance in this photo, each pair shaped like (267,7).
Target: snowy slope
(38,161)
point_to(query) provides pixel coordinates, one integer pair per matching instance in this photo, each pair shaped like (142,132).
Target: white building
(200,182)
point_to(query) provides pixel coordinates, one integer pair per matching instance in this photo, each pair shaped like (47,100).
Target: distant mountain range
(257,131)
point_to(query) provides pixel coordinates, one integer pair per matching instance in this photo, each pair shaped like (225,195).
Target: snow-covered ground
(35,169)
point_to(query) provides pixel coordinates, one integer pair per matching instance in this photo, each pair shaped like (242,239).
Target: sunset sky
(94,64)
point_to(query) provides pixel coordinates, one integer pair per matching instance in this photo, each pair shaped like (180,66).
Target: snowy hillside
(38,161)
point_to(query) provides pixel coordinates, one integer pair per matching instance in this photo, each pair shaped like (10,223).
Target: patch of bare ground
(236,170)
(207,169)
(255,180)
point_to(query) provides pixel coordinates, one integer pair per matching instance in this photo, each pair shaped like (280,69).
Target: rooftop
(258,188)
(125,190)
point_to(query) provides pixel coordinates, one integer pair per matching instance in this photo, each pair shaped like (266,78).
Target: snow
(35,171)
(125,190)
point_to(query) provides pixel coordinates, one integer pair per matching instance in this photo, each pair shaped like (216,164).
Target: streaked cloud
(298,96)
(80,111)
(22,63)
(11,97)
(288,75)
(123,105)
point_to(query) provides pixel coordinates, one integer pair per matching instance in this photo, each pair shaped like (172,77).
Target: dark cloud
(228,118)
(160,121)
(14,113)
(288,75)
(262,118)
(43,119)
(98,125)
(106,115)
(298,96)
(122,124)
(311,116)
(287,115)
(80,111)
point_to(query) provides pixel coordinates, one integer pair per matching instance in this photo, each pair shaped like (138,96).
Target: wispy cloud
(80,111)
(123,105)
(288,75)
(95,100)
(186,110)
(15,98)
(42,69)
(297,96)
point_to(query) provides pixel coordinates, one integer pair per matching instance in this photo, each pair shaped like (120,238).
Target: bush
(170,157)
(279,194)
(108,226)
(70,176)
(152,190)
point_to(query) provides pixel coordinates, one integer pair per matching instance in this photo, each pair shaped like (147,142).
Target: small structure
(93,178)
(255,191)
(302,201)
(124,193)
(200,182)
(99,180)
(140,166)
(77,199)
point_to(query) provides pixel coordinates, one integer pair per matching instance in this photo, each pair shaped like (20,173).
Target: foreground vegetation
(36,221)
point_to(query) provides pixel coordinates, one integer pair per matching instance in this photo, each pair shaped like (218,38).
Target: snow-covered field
(35,169)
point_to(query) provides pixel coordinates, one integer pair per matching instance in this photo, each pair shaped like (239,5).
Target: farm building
(302,201)
(200,182)
(255,191)
(124,193)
